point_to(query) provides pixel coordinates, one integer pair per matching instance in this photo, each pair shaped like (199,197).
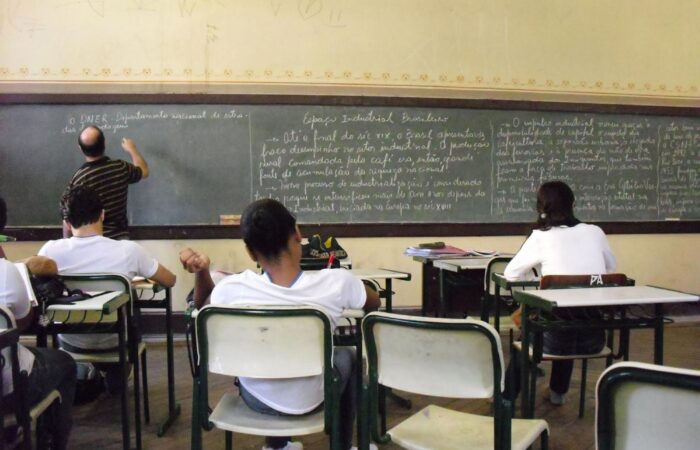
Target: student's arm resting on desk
(136,159)
(164,277)
(372,303)
(41,265)
(198,264)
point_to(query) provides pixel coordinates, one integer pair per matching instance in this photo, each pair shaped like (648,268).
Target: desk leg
(659,334)
(173,407)
(387,286)
(404,403)
(441,283)
(497,309)
(525,364)
(133,344)
(362,410)
(425,294)
(126,435)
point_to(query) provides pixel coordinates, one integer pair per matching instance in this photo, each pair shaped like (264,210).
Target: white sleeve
(528,257)
(610,261)
(352,290)
(13,293)
(146,265)
(43,251)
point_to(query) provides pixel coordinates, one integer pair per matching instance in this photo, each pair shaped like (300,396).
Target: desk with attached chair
(608,299)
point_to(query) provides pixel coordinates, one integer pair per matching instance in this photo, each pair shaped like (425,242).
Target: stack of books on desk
(445,252)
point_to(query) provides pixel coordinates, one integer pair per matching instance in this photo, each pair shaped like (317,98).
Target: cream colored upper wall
(629,51)
(622,51)
(663,260)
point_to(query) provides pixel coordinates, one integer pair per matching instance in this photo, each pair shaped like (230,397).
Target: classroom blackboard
(348,164)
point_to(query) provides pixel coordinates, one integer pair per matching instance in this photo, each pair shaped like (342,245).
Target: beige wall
(622,51)
(664,260)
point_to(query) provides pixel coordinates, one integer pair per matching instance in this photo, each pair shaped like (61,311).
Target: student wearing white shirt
(273,240)
(48,369)
(88,251)
(561,245)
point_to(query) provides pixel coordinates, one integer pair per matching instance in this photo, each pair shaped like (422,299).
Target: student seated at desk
(560,245)
(48,369)
(273,240)
(88,251)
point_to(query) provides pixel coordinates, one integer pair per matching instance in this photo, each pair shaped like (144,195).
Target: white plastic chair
(455,358)
(647,407)
(25,415)
(264,342)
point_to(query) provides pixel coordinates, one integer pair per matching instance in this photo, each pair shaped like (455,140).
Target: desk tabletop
(142,283)
(602,296)
(106,303)
(461,264)
(380,274)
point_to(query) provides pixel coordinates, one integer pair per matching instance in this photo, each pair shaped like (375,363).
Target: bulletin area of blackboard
(336,164)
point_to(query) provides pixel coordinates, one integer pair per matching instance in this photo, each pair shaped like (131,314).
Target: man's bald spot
(90,135)
(92,141)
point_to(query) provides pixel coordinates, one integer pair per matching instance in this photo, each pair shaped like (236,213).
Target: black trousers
(53,369)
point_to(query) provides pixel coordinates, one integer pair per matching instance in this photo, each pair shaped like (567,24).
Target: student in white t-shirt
(88,251)
(48,369)
(561,245)
(273,240)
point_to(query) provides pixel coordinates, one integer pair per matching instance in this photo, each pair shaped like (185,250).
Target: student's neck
(93,158)
(282,272)
(93,229)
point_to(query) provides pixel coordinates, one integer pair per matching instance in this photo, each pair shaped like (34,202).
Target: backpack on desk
(51,289)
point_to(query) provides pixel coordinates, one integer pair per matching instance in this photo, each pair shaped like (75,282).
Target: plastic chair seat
(437,428)
(35,410)
(232,414)
(604,353)
(109,357)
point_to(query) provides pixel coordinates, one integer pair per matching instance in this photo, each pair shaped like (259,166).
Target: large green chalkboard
(343,164)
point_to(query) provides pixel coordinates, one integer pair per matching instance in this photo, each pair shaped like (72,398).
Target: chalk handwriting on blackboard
(374,164)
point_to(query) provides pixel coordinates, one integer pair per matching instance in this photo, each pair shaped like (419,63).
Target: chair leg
(382,409)
(196,437)
(582,400)
(229,440)
(144,381)
(533,388)
(544,440)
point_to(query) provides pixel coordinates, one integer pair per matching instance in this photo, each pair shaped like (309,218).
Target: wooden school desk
(105,304)
(551,300)
(142,288)
(470,269)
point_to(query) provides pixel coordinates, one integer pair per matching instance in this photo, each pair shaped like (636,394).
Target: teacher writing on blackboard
(110,178)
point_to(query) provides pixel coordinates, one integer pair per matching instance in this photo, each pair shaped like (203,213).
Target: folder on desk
(448,251)
(24,272)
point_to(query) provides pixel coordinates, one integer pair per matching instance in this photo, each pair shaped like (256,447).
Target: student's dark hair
(266,226)
(83,206)
(3,214)
(555,205)
(97,148)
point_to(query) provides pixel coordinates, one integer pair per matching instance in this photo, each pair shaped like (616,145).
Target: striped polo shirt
(110,179)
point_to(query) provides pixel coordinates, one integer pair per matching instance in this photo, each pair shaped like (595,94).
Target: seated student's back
(563,250)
